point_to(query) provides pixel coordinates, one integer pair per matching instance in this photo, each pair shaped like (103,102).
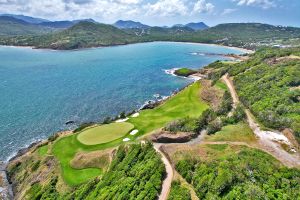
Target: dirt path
(166,186)
(232,91)
(266,142)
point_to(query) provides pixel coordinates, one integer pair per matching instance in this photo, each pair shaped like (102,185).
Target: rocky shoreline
(6,192)
(6,189)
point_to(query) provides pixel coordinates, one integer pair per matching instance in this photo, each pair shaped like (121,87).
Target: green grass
(240,132)
(184,72)
(218,147)
(104,133)
(219,84)
(42,151)
(186,103)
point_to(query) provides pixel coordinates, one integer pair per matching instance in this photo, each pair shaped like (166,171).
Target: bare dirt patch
(95,159)
(168,137)
(275,61)
(211,94)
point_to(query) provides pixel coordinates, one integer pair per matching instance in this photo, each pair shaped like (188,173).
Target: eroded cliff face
(5,187)
(31,167)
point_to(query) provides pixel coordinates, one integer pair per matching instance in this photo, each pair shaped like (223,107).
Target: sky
(161,12)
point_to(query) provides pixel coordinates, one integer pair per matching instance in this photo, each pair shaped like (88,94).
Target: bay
(40,90)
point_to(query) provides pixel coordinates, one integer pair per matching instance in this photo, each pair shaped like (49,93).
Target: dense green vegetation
(178,192)
(268,83)
(136,172)
(211,120)
(88,34)
(184,72)
(240,174)
(249,34)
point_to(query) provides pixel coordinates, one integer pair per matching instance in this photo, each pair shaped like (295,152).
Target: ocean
(40,90)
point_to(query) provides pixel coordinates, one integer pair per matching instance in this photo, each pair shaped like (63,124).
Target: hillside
(28,19)
(10,26)
(248,34)
(81,35)
(88,34)
(197,26)
(268,84)
(130,24)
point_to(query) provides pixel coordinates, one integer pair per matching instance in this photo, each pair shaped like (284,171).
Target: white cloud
(228,11)
(129,1)
(167,8)
(105,10)
(202,6)
(265,4)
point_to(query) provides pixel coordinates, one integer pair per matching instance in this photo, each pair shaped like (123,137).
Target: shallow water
(40,90)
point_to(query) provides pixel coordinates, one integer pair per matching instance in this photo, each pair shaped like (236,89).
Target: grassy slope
(186,103)
(219,84)
(104,133)
(43,150)
(240,132)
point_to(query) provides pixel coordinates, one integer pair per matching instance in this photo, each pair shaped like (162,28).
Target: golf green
(185,103)
(104,133)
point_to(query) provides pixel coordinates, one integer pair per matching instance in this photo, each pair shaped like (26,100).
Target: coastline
(248,51)
(149,104)
(23,150)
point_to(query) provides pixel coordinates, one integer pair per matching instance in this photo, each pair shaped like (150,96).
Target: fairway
(186,103)
(104,133)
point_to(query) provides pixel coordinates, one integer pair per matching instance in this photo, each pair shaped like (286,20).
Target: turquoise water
(42,89)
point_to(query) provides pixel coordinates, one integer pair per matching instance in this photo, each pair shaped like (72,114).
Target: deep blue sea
(40,90)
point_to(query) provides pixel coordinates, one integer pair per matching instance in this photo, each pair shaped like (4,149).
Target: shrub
(123,115)
(178,192)
(226,104)
(214,126)
(35,165)
(206,117)
(107,120)
(182,125)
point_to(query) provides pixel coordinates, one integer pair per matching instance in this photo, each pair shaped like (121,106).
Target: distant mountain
(130,24)
(178,25)
(251,31)
(89,34)
(10,26)
(31,20)
(46,23)
(197,26)
(64,24)
(194,26)
(83,35)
